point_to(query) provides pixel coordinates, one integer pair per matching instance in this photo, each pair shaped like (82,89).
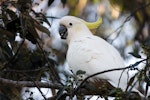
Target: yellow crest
(93,25)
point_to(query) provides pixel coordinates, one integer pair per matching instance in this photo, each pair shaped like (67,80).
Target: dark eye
(70,24)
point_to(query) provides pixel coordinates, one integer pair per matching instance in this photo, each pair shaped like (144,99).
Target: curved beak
(63,31)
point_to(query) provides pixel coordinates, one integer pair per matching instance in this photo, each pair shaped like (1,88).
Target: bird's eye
(70,24)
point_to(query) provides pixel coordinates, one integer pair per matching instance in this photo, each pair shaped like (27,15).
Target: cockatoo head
(73,27)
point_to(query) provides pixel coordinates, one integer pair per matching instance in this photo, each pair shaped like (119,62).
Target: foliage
(17,62)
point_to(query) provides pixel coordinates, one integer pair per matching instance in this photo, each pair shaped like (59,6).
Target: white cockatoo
(91,53)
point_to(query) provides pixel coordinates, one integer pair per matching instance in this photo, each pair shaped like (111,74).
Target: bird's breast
(81,57)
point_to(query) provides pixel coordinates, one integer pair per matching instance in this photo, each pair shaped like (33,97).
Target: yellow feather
(93,25)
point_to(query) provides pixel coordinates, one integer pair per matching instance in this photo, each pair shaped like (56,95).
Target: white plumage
(93,54)
(90,53)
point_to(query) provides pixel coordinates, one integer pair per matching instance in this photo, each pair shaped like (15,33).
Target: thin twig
(24,71)
(120,77)
(53,17)
(126,20)
(8,82)
(38,87)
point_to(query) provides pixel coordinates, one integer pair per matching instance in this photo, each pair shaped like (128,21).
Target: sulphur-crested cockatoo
(90,53)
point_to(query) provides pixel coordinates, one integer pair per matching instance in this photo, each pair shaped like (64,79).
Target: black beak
(63,31)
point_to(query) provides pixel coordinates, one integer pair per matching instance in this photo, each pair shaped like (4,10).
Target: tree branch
(7,82)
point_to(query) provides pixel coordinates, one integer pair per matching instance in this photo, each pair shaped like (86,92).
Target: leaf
(27,90)
(79,72)
(13,26)
(31,34)
(147,80)
(130,82)
(9,36)
(7,51)
(4,17)
(45,19)
(11,14)
(30,25)
(31,37)
(147,86)
(41,28)
(135,54)
(133,66)
(50,2)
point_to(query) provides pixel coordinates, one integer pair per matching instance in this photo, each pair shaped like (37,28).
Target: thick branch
(7,82)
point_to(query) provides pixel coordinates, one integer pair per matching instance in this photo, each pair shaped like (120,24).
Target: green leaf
(11,14)
(4,17)
(6,34)
(50,2)
(27,90)
(79,72)
(135,54)
(131,81)
(147,80)
(41,28)
(6,50)
(45,18)
(31,34)
(13,26)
